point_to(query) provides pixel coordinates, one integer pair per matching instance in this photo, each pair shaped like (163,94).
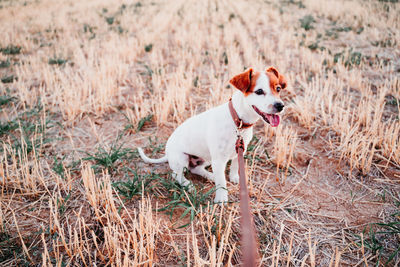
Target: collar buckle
(240,124)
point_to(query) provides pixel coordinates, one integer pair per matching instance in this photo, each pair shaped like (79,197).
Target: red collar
(240,124)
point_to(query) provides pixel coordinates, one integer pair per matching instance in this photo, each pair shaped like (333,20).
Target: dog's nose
(279,106)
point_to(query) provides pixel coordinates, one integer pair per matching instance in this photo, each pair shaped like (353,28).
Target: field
(84,83)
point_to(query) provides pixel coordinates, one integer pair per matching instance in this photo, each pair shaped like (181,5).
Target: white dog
(209,138)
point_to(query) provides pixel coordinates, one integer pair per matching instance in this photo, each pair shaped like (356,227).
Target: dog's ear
(274,71)
(280,77)
(242,81)
(282,81)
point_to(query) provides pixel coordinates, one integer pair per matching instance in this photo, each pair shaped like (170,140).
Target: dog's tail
(149,160)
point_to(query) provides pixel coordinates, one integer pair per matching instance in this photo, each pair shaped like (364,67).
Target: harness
(248,238)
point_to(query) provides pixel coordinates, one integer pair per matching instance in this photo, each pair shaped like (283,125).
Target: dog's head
(261,91)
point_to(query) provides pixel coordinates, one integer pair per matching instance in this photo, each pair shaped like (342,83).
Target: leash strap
(248,238)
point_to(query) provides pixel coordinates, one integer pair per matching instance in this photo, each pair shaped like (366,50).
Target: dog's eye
(278,88)
(259,92)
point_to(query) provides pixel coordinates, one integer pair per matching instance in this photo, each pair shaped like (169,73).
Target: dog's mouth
(272,119)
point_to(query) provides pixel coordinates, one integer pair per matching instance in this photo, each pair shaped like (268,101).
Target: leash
(248,238)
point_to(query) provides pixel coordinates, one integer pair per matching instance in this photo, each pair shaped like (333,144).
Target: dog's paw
(234,178)
(221,196)
(188,185)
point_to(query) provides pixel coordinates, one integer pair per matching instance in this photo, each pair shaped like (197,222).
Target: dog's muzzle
(272,119)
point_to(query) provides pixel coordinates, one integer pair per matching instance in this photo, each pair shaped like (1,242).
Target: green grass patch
(388,42)
(59,167)
(196,81)
(8,126)
(5,63)
(11,248)
(32,130)
(393,101)
(354,59)
(148,48)
(188,199)
(383,240)
(251,148)
(5,100)
(225,58)
(110,20)
(143,121)
(90,30)
(62,204)
(155,146)
(9,78)
(28,131)
(135,184)
(11,50)
(299,4)
(350,59)
(315,46)
(57,61)
(307,22)
(110,158)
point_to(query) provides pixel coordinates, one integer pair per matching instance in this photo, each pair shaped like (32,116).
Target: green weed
(250,148)
(148,47)
(8,126)
(9,247)
(393,101)
(315,46)
(31,140)
(108,159)
(5,63)
(5,99)
(120,30)
(58,167)
(306,22)
(196,82)
(354,59)
(389,42)
(143,121)
(149,72)
(30,130)
(360,30)
(189,199)
(9,79)
(110,20)
(331,33)
(225,58)
(155,145)
(383,242)
(349,59)
(57,61)
(61,204)
(11,50)
(343,29)
(300,4)
(136,184)
(89,29)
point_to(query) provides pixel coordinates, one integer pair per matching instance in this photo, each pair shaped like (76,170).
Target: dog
(209,138)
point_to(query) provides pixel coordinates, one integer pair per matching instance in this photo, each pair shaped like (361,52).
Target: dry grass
(84,83)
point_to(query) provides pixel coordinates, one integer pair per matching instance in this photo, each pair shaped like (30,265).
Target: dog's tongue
(273,119)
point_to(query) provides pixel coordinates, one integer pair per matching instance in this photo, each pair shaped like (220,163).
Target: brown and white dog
(209,137)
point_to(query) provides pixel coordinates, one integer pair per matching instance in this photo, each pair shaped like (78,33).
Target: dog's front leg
(221,193)
(234,171)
